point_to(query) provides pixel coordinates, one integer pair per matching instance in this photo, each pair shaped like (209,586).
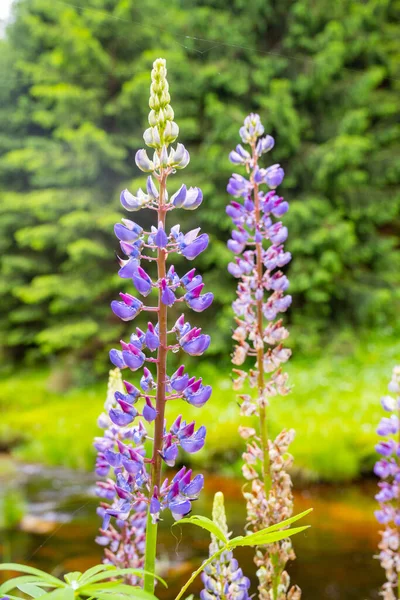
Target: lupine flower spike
(388,470)
(223,579)
(139,478)
(258,244)
(124,542)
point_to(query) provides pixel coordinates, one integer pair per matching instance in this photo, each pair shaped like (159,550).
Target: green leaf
(261,538)
(32,571)
(287,522)
(22,579)
(136,594)
(73,577)
(66,593)
(87,575)
(205,523)
(112,587)
(119,573)
(31,590)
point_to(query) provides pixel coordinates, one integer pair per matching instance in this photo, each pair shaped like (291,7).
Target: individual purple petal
(147,381)
(142,281)
(123,311)
(113,458)
(120,417)
(149,412)
(385,448)
(265,144)
(155,506)
(274,176)
(170,454)
(198,397)
(388,426)
(167,295)
(143,162)
(195,442)
(160,239)
(151,188)
(179,508)
(196,247)
(128,268)
(128,231)
(178,198)
(152,339)
(195,343)
(193,488)
(117,359)
(131,202)
(133,357)
(131,389)
(179,380)
(193,199)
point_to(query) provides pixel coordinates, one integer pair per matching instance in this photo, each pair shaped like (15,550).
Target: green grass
(334,407)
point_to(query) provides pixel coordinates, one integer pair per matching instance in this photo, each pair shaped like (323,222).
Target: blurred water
(335,557)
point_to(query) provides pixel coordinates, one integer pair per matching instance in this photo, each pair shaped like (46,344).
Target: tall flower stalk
(388,470)
(139,478)
(258,244)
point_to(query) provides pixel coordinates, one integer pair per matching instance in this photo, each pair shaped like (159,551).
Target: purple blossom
(194,342)
(128,308)
(142,281)
(128,231)
(160,239)
(258,244)
(274,176)
(136,481)
(388,470)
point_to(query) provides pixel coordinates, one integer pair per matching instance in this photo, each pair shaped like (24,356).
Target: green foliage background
(325,78)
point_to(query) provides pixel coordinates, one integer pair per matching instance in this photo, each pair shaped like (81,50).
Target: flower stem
(199,570)
(150,553)
(260,349)
(151,536)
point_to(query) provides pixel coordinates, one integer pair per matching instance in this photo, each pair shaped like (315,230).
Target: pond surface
(335,557)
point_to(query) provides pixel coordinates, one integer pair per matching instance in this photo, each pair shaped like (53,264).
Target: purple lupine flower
(142,281)
(128,308)
(124,542)
(128,231)
(388,470)
(258,244)
(136,416)
(197,301)
(194,342)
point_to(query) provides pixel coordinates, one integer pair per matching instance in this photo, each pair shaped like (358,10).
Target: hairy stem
(260,349)
(151,535)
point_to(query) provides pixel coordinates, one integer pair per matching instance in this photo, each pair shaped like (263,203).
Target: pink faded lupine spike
(257,242)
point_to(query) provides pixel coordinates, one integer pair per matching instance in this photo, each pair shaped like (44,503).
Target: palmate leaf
(205,523)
